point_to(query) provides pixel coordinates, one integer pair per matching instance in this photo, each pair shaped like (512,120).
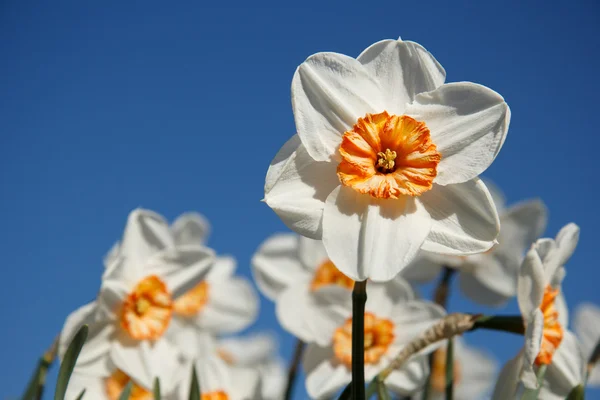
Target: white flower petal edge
(145,234)
(566,370)
(403,70)
(190,228)
(372,238)
(468,124)
(296,188)
(323,378)
(587,328)
(508,380)
(93,386)
(464,218)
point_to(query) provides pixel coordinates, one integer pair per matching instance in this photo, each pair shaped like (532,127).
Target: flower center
(218,395)
(553,332)
(146,312)
(379,335)
(115,384)
(328,274)
(388,156)
(438,371)
(193,301)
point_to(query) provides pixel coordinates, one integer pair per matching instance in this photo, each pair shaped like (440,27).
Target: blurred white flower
(545,314)
(392,320)
(489,278)
(587,329)
(135,302)
(218,381)
(190,228)
(474,373)
(387,158)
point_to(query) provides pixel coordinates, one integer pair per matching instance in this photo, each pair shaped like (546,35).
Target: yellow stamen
(385,161)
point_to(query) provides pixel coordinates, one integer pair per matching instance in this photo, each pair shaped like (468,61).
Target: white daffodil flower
(290,269)
(138,289)
(392,319)
(474,373)
(218,381)
(547,340)
(257,351)
(387,158)
(220,303)
(587,328)
(141,364)
(190,228)
(489,278)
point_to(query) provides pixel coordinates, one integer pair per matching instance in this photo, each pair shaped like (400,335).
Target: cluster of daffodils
(164,303)
(381,187)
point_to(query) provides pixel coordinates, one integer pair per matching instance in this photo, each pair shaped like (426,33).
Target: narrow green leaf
(156,389)
(68,363)
(382,392)
(371,388)
(577,393)
(505,323)
(450,370)
(127,391)
(532,394)
(35,388)
(195,386)
(81,395)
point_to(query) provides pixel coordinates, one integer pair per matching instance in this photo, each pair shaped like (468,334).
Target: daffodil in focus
(392,319)
(587,328)
(548,343)
(386,159)
(474,373)
(489,278)
(139,287)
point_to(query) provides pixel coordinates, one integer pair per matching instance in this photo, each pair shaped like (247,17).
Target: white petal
(273,379)
(223,268)
(587,327)
(251,350)
(330,91)
(534,326)
(567,368)
(190,228)
(508,380)
(112,294)
(245,383)
(422,269)
(383,296)
(496,277)
(531,283)
(372,238)
(324,377)
(276,264)
(468,124)
(93,386)
(182,268)
(478,372)
(145,234)
(403,70)
(311,252)
(413,318)
(296,188)
(112,255)
(408,379)
(232,306)
(567,239)
(478,291)
(497,194)
(214,375)
(464,218)
(93,358)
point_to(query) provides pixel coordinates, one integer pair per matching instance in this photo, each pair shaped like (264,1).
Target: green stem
(359,298)
(450,370)
(505,323)
(293,369)
(594,358)
(442,291)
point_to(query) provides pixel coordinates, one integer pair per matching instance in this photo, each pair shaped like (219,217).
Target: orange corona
(388,156)
(379,335)
(147,310)
(553,332)
(115,384)
(218,395)
(438,371)
(193,301)
(328,274)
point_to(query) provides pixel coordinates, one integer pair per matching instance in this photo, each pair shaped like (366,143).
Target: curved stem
(442,290)
(359,298)
(293,369)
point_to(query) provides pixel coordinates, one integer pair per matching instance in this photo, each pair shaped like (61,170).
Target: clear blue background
(177,106)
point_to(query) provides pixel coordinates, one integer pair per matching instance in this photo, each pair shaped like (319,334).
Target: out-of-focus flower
(190,228)
(135,302)
(258,351)
(474,372)
(220,303)
(387,158)
(547,340)
(587,329)
(489,278)
(218,381)
(392,320)
(142,364)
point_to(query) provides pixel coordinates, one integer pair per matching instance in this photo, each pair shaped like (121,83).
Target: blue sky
(177,106)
